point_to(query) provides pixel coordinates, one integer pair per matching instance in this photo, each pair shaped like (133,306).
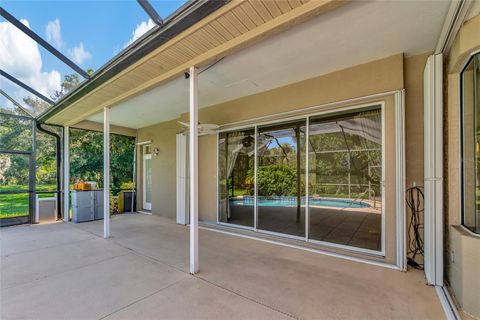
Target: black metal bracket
(152,13)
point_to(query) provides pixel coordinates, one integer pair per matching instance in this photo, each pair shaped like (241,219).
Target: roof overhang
(182,19)
(200,34)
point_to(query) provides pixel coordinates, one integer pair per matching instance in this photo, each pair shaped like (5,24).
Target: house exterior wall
(384,75)
(95,126)
(163,167)
(462,250)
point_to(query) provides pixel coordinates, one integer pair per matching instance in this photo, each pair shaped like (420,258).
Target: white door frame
(346,105)
(145,205)
(433,175)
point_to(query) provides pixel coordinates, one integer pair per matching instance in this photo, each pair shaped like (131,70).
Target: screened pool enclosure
(36,75)
(333,196)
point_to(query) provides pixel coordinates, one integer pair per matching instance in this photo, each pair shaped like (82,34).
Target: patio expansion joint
(47,247)
(155,260)
(141,299)
(69,270)
(248,298)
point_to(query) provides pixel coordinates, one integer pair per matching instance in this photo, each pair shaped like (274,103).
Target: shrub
(277,180)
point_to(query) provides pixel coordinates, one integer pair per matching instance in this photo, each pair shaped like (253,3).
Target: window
(470,124)
(316,179)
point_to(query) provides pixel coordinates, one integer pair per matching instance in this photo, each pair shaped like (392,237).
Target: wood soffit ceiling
(234,26)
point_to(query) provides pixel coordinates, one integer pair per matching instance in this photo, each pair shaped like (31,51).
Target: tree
(15,134)
(86,147)
(86,157)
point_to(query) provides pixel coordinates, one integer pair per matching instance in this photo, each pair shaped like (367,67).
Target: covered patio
(59,270)
(281,168)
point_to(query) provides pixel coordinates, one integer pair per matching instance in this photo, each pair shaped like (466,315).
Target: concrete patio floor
(68,271)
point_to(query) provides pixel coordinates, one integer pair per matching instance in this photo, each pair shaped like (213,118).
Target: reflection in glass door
(263,179)
(345,174)
(281,178)
(236,177)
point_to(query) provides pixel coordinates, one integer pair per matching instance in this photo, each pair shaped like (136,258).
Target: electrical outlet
(452,256)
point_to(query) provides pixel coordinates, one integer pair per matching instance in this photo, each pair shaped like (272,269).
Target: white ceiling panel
(353,34)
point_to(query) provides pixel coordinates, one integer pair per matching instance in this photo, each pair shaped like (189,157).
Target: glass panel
(281,178)
(236,181)
(345,179)
(148,179)
(471,145)
(14,186)
(15,133)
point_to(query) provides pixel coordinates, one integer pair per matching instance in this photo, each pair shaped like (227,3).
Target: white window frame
(329,109)
(460,146)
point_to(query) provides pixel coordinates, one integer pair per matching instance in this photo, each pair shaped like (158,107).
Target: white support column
(106,173)
(66,174)
(433,169)
(193,171)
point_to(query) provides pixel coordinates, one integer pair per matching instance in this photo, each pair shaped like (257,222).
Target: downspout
(59,165)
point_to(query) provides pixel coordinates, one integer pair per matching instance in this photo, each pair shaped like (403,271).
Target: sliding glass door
(281,178)
(236,156)
(263,178)
(345,175)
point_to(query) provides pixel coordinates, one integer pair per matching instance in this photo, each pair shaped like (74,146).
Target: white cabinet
(87,205)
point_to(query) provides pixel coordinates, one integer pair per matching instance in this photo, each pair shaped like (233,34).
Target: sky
(88,32)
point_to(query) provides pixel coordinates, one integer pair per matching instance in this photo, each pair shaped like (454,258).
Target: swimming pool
(292,202)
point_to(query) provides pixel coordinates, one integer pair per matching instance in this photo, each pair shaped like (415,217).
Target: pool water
(292,202)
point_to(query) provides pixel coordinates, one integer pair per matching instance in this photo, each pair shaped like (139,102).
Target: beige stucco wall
(207,176)
(462,248)
(388,74)
(96,126)
(413,77)
(163,167)
(413,68)
(366,79)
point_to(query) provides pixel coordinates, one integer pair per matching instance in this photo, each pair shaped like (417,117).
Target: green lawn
(15,205)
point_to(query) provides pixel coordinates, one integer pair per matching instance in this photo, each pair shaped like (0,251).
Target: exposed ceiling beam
(152,13)
(25,86)
(42,42)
